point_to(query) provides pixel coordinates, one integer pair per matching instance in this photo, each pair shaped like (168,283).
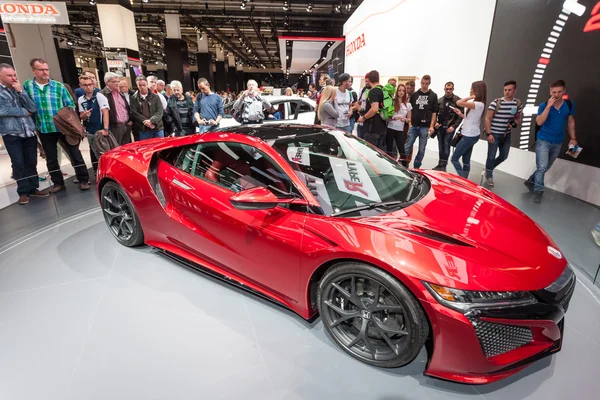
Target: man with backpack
(379,107)
(552,116)
(503,114)
(425,105)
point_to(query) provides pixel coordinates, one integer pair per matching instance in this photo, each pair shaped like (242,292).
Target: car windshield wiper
(417,181)
(371,206)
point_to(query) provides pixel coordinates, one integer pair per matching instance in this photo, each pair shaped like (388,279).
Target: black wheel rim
(366,318)
(118,214)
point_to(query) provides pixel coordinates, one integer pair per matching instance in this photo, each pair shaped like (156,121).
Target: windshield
(344,172)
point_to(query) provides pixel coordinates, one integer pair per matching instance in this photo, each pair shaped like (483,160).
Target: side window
(305,107)
(235,166)
(293,107)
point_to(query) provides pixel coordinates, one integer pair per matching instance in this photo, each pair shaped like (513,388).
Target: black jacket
(112,113)
(172,117)
(156,111)
(445,116)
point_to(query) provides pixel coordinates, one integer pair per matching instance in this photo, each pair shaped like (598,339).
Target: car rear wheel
(371,315)
(120,216)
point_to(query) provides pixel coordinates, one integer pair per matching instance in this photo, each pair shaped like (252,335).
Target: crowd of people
(392,117)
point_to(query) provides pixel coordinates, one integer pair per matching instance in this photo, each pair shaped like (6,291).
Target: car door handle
(181,184)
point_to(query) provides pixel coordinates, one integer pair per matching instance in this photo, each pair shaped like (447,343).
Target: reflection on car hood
(470,222)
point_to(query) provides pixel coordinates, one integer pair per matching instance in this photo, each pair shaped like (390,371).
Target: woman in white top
(395,126)
(474,106)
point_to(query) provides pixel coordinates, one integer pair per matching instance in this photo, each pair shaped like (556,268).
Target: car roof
(274,130)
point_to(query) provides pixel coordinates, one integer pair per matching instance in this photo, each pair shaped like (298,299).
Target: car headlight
(467,300)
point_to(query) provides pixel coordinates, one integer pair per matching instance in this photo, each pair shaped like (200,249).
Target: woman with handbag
(464,141)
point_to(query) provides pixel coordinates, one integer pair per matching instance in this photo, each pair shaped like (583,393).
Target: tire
(120,216)
(379,322)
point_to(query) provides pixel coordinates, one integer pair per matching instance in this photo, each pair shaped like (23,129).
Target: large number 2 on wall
(593,23)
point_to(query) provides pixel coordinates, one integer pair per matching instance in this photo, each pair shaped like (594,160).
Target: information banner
(34,12)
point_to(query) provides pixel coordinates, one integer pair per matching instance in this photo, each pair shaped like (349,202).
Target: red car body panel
(488,245)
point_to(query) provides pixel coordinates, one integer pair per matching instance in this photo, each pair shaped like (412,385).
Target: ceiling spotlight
(70,43)
(337,8)
(287,57)
(348,7)
(143,38)
(309,7)
(286,6)
(243,5)
(145,1)
(92,2)
(95,32)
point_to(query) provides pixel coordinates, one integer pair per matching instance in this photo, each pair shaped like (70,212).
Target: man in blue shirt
(208,108)
(79,91)
(551,117)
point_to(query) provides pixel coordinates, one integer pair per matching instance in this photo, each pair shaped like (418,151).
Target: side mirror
(260,198)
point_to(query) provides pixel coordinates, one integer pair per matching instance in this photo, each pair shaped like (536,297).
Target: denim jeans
(501,142)
(23,157)
(360,131)
(206,128)
(422,133)
(545,154)
(376,139)
(152,134)
(352,123)
(463,149)
(444,140)
(344,128)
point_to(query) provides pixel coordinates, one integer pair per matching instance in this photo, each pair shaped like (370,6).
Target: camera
(512,123)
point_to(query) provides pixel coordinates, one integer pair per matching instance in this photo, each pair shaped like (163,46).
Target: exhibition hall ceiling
(248,29)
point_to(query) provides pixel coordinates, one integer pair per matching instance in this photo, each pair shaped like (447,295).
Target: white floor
(82,317)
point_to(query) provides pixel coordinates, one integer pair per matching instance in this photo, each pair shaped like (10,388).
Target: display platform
(82,317)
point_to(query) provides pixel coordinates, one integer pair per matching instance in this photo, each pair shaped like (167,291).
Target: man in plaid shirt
(49,97)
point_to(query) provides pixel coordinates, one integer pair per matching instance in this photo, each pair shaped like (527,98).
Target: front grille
(497,339)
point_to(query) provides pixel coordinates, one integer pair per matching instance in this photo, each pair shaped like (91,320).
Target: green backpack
(386,108)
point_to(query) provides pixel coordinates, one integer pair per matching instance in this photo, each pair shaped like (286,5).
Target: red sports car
(323,223)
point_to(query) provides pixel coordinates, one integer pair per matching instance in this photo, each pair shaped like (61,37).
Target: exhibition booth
(463,41)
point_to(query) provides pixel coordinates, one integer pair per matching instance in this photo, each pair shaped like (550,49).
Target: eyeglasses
(87,84)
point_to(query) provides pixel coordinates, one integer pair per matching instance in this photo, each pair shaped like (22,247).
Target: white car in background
(300,110)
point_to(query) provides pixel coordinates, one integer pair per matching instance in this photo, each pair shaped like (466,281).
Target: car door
(261,246)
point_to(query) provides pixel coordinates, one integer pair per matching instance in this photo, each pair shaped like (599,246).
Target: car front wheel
(120,216)
(371,315)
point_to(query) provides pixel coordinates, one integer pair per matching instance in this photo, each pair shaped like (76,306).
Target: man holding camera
(503,114)
(251,105)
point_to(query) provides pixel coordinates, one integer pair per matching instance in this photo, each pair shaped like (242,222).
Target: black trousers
(23,157)
(50,142)
(397,136)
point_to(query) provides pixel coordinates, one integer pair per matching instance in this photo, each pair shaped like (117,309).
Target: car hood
(500,247)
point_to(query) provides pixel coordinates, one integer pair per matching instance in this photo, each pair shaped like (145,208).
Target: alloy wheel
(118,214)
(366,317)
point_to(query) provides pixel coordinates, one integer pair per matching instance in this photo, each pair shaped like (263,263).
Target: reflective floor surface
(82,317)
